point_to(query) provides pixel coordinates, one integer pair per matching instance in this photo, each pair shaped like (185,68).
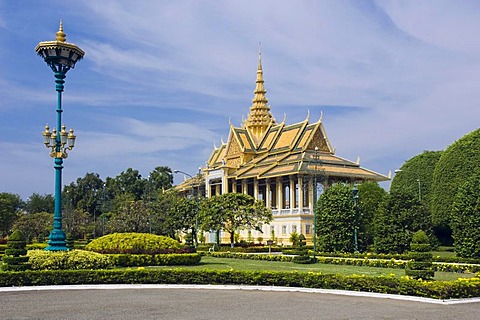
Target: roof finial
(61,36)
(259,56)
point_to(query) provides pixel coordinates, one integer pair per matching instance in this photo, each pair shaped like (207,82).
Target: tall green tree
(130,216)
(10,205)
(370,198)
(85,194)
(400,215)
(457,163)
(466,219)
(40,203)
(416,175)
(161,178)
(335,219)
(129,182)
(233,211)
(173,213)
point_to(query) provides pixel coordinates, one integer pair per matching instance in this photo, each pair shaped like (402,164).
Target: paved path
(220,302)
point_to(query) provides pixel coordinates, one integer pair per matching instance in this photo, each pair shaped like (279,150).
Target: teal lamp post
(60,56)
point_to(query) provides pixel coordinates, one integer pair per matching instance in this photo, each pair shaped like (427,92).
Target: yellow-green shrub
(67,260)
(134,243)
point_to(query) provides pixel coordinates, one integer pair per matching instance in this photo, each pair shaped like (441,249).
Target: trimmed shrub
(466,218)
(420,265)
(15,254)
(134,243)
(135,260)
(68,260)
(456,165)
(465,288)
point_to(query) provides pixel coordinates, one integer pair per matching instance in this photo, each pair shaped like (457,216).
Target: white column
(292,192)
(280,202)
(300,192)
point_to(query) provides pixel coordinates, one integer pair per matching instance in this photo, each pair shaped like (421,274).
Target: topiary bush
(68,260)
(466,219)
(420,266)
(456,165)
(15,254)
(134,243)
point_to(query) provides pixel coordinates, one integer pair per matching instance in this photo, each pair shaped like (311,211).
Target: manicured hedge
(380,263)
(385,284)
(134,260)
(63,260)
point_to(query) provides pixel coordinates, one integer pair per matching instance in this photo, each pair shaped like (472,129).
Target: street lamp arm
(180,171)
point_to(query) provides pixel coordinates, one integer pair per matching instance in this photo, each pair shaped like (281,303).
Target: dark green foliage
(85,194)
(10,205)
(335,219)
(161,178)
(135,243)
(420,266)
(398,218)
(40,203)
(466,219)
(416,176)
(370,198)
(135,260)
(15,254)
(457,163)
(383,284)
(232,212)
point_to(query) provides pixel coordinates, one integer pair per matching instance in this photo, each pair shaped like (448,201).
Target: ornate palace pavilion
(279,164)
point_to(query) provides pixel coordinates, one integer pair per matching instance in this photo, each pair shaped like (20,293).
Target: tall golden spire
(260,118)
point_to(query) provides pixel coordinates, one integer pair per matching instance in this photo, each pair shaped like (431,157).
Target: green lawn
(210,263)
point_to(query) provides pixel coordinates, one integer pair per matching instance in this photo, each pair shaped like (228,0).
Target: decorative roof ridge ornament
(308,115)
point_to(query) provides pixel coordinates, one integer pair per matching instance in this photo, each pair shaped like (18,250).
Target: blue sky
(161,79)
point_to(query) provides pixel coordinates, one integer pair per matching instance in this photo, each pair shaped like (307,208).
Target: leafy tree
(370,198)
(173,213)
(85,194)
(400,215)
(466,219)
(40,203)
(128,182)
(34,225)
(161,178)
(457,163)
(77,223)
(130,216)
(233,211)
(416,175)
(10,205)
(335,220)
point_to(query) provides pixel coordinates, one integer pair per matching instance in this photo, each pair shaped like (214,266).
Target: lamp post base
(57,241)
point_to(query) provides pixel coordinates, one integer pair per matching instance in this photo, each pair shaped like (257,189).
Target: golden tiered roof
(262,148)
